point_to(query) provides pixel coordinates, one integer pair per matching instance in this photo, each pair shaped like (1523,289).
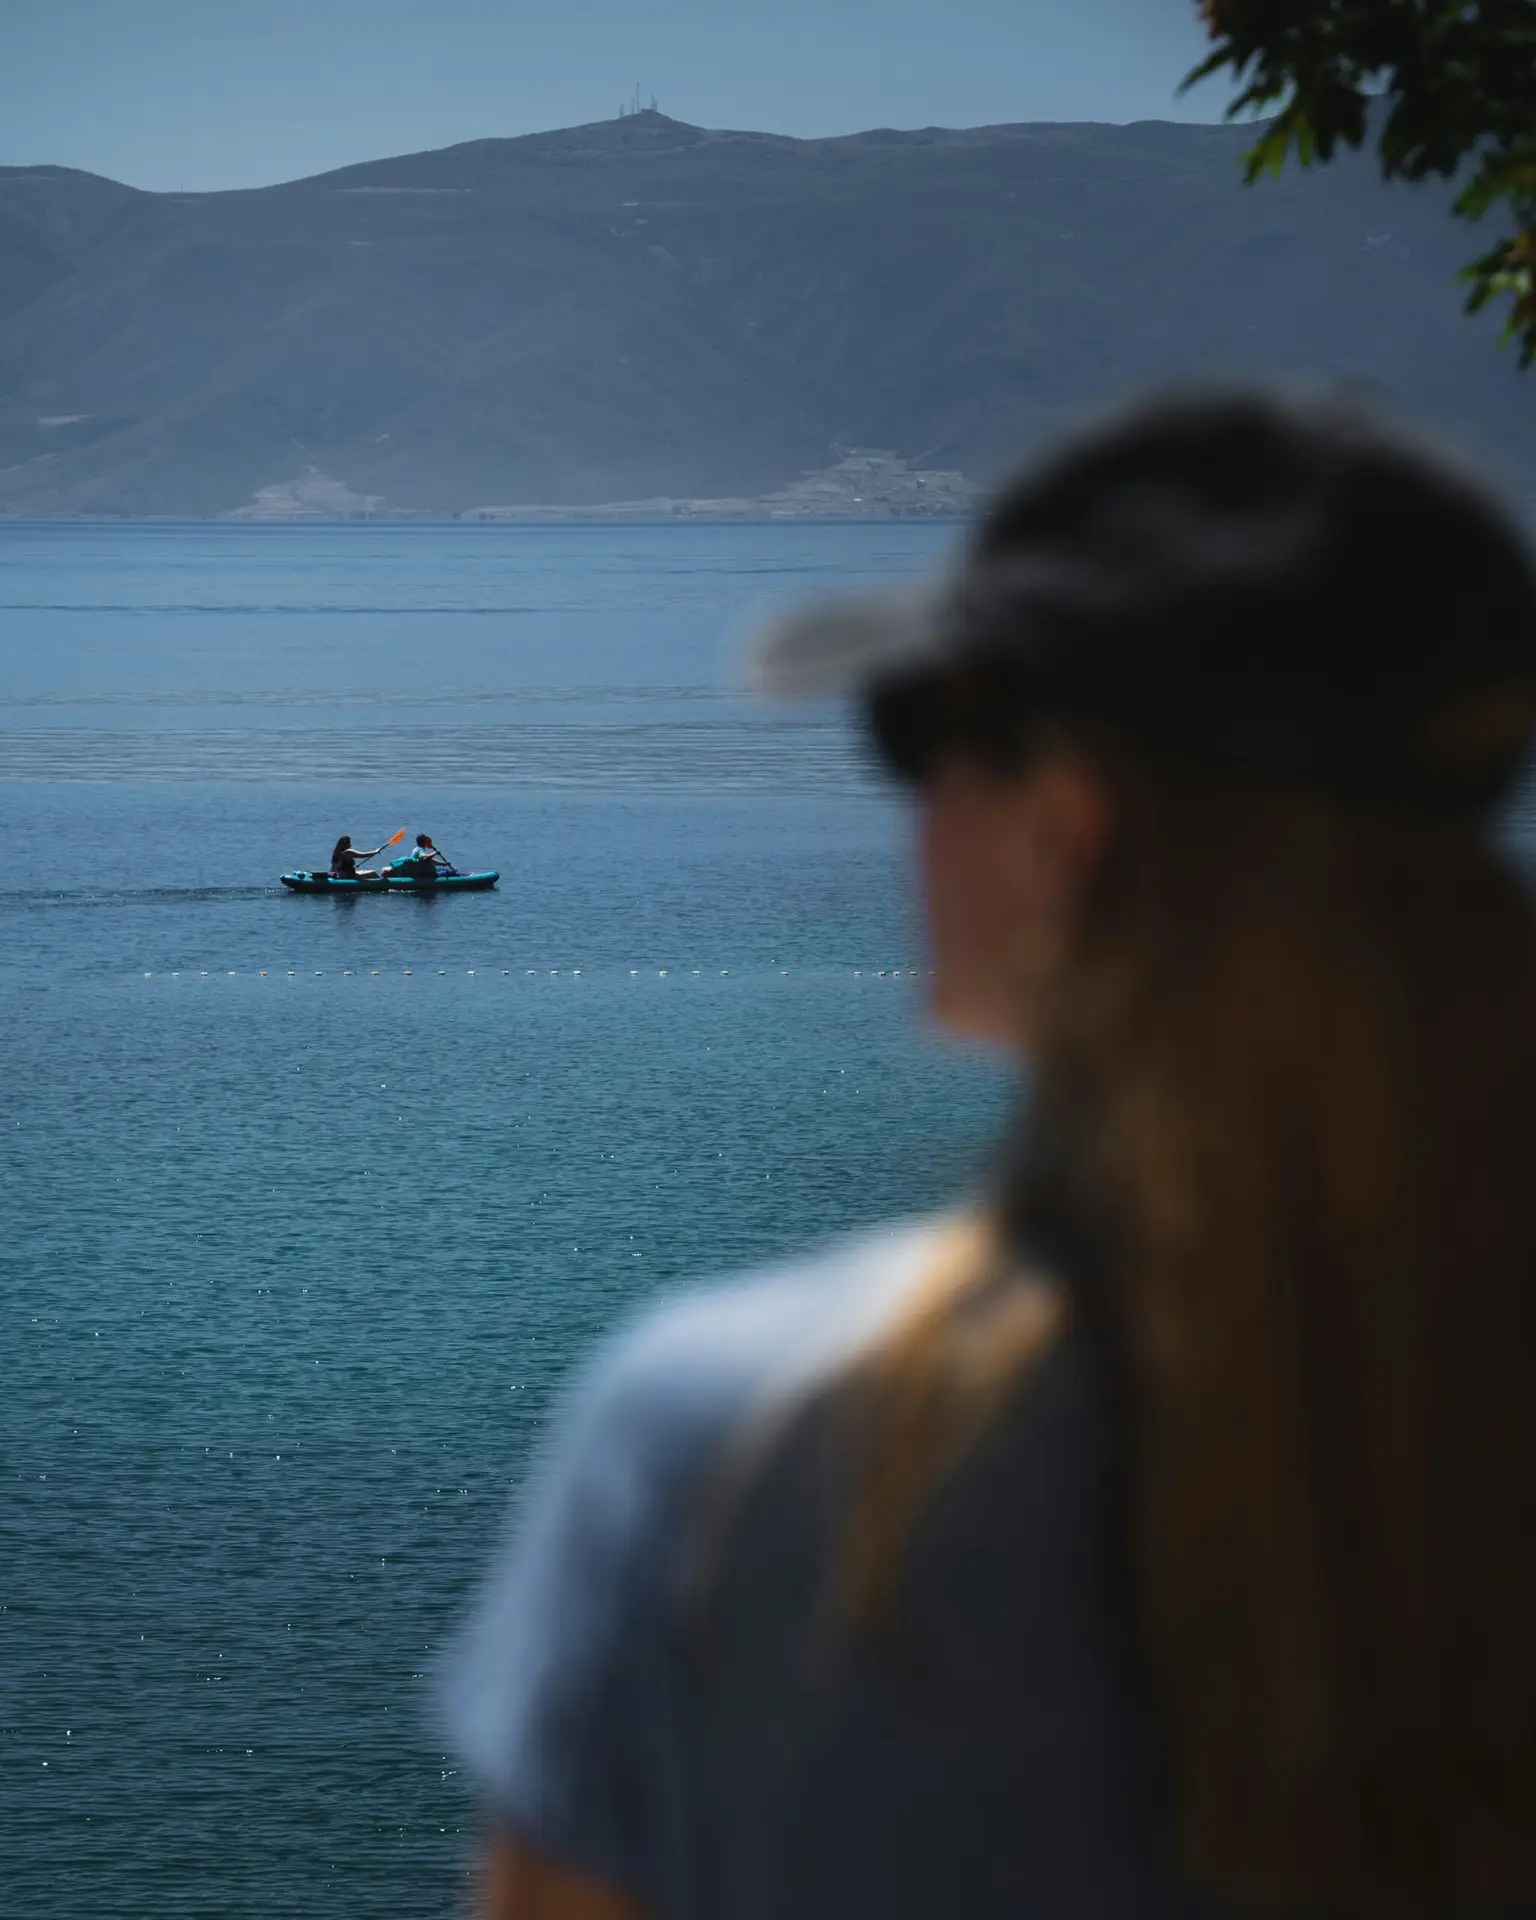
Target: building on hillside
(872,483)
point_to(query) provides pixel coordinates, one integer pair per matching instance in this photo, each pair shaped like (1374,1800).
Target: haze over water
(303,1230)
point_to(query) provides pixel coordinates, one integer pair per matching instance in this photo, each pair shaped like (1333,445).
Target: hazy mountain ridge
(642,308)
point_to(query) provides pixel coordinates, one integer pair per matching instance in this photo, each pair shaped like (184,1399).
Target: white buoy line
(526,973)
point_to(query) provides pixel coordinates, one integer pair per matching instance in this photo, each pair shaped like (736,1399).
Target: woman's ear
(1066,823)
(1006,862)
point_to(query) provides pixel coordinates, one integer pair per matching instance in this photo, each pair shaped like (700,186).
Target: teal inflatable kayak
(444,883)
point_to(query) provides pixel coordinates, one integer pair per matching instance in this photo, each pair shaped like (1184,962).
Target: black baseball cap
(1290,585)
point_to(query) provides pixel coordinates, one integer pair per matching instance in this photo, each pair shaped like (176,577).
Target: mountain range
(640,309)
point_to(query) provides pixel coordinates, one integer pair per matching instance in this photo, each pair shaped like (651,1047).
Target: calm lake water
(310,1205)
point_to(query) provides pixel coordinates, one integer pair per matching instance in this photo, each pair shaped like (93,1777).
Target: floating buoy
(375,973)
(530,973)
(231,973)
(725,973)
(346,973)
(291,974)
(263,973)
(661,973)
(149,976)
(407,973)
(634,973)
(505,971)
(469,973)
(575,973)
(442,973)
(319,971)
(554,973)
(696,973)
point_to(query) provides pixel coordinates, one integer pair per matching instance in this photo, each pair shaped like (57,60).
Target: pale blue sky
(223,93)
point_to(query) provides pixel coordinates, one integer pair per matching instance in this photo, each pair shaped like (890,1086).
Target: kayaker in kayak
(424,861)
(344,859)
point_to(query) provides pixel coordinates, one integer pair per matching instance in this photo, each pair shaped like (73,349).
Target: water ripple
(672,756)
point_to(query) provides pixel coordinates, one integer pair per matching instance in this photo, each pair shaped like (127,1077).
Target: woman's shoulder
(682,1440)
(580,1592)
(699,1364)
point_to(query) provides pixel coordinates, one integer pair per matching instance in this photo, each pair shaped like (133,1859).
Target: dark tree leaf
(1443,88)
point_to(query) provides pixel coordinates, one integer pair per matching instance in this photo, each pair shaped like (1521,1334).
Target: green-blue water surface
(310,1205)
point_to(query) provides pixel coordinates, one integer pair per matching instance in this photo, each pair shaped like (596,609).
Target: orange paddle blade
(393,838)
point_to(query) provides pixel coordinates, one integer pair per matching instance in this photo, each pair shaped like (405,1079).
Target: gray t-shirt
(658,1687)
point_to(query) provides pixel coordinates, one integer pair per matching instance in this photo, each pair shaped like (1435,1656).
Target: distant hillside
(642,308)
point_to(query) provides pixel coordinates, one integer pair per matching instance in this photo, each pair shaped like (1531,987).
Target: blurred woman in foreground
(1162,1530)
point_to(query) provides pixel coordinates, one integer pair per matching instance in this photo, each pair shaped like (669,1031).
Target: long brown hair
(1286,1088)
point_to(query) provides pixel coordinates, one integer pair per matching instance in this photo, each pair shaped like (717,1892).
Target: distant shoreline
(536,517)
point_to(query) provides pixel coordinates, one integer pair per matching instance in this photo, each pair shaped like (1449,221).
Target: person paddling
(344,859)
(424,861)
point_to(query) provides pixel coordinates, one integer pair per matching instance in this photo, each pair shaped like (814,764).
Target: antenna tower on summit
(635,104)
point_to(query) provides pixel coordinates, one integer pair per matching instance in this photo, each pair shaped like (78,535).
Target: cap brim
(843,645)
